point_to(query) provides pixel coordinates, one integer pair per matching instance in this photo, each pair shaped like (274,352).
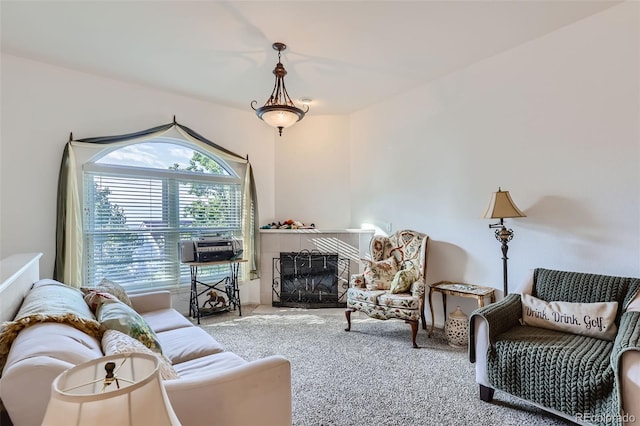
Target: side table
(458,289)
(230,283)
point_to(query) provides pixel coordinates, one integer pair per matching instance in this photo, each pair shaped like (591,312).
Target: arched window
(141,199)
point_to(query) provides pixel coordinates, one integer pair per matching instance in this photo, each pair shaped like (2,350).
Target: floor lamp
(501,206)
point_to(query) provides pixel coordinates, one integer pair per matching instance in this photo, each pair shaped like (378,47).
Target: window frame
(92,167)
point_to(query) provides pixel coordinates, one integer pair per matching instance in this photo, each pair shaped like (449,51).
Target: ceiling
(344,55)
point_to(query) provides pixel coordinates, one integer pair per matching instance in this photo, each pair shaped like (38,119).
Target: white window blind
(135,218)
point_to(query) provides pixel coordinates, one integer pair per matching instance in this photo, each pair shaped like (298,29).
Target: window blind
(133,224)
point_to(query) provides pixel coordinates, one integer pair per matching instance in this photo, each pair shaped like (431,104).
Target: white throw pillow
(587,319)
(116,342)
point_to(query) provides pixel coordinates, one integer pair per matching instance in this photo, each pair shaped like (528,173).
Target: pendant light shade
(279,111)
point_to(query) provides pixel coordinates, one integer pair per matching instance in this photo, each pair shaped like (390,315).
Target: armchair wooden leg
(486,393)
(424,321)
(414,332)
(347,313)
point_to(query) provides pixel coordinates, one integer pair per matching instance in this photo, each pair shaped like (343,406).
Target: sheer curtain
(69,237)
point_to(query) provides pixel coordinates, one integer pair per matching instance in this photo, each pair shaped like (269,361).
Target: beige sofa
(214,385)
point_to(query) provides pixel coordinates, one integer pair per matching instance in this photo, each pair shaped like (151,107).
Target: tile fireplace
(310,268)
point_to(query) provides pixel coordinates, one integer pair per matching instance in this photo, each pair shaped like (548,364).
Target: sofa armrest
(263,385)
(500,317)
(625,361)
(152,301)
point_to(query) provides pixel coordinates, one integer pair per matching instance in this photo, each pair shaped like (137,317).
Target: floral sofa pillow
(116,315)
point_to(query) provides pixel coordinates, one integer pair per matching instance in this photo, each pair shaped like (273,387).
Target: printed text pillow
(587,319)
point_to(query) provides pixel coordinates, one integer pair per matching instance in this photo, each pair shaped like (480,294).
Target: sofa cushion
(166,319)
(54,340)
(384,312)
(115,315)
(588,319)
(366,296)
(400,300)
(187,343)
(116,342)
(378,275)
(216,363)
(566,372)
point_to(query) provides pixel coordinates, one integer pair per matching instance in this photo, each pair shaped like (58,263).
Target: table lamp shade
(502,206)
(79,395)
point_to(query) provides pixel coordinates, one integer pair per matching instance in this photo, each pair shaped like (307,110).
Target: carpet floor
(370,375)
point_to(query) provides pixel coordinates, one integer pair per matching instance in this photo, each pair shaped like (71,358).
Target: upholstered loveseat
(393,282)
(569,343)
(205,384)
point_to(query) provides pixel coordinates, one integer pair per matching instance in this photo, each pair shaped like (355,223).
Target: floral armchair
(393,282)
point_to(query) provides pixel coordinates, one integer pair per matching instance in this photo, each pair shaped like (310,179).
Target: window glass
(142,199)
(163,156)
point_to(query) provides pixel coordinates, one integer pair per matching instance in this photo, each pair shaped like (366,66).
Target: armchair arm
(357,280)
(418,288)
(500,317)
(625,353)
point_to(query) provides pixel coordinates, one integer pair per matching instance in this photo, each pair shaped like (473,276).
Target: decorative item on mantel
(457,328)
(288,224)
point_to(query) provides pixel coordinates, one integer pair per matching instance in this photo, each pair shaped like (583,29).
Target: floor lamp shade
(134,396)
(502,206)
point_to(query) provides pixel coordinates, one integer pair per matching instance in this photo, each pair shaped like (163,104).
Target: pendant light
(279,111)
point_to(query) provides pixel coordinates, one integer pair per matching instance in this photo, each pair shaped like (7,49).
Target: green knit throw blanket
(576,375)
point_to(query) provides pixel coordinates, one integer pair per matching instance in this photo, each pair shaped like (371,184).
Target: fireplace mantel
(318,231)
(348,243)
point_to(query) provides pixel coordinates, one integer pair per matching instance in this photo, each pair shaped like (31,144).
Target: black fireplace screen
(310,279)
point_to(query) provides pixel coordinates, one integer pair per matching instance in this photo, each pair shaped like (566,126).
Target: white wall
(42,104)
(554,121)
(312,172)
